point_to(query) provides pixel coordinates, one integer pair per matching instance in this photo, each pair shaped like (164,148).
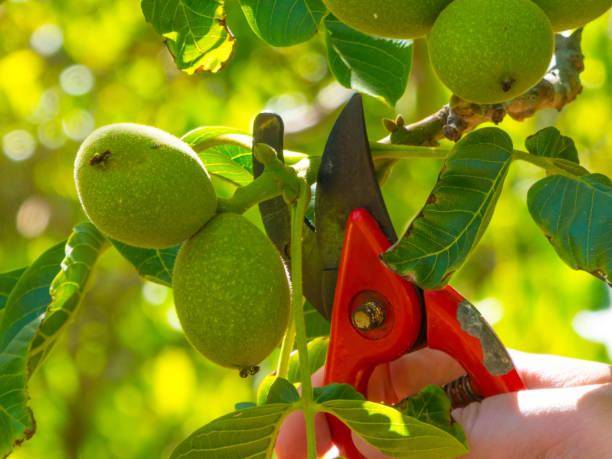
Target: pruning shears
(376,315)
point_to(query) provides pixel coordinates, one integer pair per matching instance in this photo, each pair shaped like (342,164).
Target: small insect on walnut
(98,158)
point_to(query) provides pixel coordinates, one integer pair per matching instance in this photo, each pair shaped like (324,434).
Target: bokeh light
(173,319)
(48,105)
(78,124)
(33,217)
(18,145)
(77,80)
(47,39)
(51,135)
(154,293)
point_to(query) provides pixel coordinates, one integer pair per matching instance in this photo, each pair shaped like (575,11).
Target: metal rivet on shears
(368,316)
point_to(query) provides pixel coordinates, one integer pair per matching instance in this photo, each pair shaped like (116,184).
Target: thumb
(560,422)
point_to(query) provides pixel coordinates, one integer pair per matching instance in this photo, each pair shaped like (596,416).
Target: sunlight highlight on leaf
(194,30)
(392,433)
(225,152)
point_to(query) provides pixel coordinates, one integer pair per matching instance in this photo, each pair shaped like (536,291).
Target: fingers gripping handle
(456,327)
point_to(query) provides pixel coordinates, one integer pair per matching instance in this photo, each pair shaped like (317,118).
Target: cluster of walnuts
(485,51)
(144,187)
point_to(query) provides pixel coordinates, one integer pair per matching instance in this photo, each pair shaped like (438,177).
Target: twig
(559,86)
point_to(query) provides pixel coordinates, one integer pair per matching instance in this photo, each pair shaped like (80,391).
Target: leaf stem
(238,140)
(391,151)
(558,166)
(282,370)
(560,86)
(275,180)
(298,211)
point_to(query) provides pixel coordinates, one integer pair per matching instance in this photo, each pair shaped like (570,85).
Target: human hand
(566,411)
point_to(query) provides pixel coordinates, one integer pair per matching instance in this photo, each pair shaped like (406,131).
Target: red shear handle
(453,325)
(456,327)
(362,281)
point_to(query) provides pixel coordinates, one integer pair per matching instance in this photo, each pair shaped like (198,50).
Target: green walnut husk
(143,186)
(231,292)
(571,14)
(490,51)
(390,19)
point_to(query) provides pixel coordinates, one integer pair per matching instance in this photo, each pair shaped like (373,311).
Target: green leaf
(379,67)
(283,23)
(575,214)
(250,432)
(335,391)
(210,136)
(242,405)
(431,405)
(392,433)
(7,282)
(316,324)
(194,31)
(550,143)
(23,313)
(49,289)
(282,391)
(225,152)
(82,249)
(224,161)
(317,352)
(155,265)
(458,211)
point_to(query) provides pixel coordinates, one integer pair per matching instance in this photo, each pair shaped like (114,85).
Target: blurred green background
(123,382)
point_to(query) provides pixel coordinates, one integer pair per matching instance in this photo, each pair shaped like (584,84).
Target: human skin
(566,412)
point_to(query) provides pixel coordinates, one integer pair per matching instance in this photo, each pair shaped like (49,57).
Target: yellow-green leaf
(392,433)
(194,30)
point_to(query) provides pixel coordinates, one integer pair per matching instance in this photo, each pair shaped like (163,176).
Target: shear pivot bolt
(368,316)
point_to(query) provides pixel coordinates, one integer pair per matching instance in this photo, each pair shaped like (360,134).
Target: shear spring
(461,393)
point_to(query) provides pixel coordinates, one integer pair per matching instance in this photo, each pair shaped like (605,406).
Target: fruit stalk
(298,210)
(282,370)
(559,87)
(276,179)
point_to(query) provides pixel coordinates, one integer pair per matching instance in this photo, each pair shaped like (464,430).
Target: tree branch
(559,86)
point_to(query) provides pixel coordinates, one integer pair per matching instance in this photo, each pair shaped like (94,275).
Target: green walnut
(490,51)
(391,19)
(231,292)
(570,14)
(143,186)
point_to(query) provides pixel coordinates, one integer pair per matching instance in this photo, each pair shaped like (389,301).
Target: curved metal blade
(346,181)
